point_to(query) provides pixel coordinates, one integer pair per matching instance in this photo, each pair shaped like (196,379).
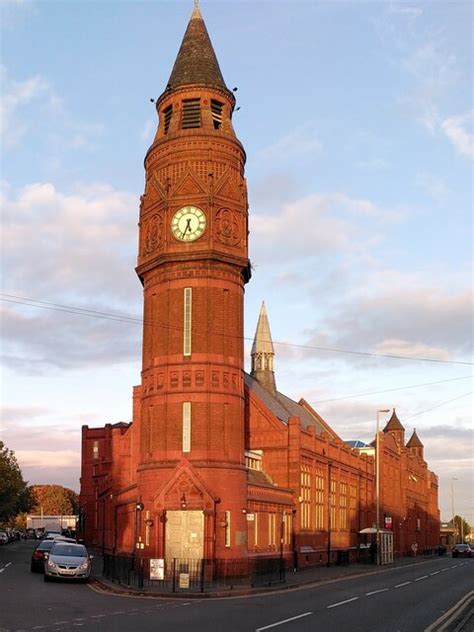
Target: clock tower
(193,264)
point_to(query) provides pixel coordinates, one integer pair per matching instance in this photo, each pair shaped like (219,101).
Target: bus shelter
(385,552)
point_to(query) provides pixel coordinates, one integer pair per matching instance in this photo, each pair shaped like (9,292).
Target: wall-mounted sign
(250,517)
(157,569)
(184,580)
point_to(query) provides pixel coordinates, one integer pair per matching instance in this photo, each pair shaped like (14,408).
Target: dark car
(462,550)
(37,558)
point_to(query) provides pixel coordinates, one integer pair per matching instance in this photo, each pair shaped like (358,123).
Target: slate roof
(357,444)
(414,441)
(257,477)
(196,62)
(394,423)
(282,406)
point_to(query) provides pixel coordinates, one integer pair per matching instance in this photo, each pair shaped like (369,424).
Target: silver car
(66,560)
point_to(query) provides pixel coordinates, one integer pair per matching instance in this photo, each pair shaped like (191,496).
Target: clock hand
(188,225)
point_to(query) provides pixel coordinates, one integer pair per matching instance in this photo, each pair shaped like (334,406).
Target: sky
(357,122)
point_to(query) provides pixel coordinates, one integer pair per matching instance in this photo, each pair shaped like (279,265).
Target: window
(255,530)
(305,497)
(271,529)
(167,114)
(191,114)
(343,506)
(216,110)
(188,300)
(319,500)
(186,426)
(253,459)
(286,528)
(333,504)
(227,529)
(95,450)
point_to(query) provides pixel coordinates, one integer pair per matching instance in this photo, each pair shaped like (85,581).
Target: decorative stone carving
(153,234)
(227,227)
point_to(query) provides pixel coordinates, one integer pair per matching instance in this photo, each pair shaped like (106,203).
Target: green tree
(15,495)
(55,500)
(461,527)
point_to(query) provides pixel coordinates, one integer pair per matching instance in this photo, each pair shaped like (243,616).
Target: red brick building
(217,463)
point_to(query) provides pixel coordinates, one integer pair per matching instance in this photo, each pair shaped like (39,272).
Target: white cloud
(301,141)
(316,224)
(15,96)
(74,249)
(455,129)
(44,458)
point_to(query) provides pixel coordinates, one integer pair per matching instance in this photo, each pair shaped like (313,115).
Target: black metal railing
(192,575)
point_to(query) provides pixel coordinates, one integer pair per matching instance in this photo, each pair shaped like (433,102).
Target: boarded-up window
(191,114)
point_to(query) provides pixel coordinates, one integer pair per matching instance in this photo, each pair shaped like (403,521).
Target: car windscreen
(69,550)
(46,545)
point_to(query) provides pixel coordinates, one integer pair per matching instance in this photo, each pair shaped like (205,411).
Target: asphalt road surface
(404,599)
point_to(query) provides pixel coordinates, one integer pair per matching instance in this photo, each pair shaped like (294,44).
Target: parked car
(66,560)
(37,558)
(462,550)
(4,537)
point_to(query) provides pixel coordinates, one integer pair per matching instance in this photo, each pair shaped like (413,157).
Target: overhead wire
(79,311)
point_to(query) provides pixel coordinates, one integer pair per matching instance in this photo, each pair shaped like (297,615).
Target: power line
(389,390)
(448,401)
(78,311)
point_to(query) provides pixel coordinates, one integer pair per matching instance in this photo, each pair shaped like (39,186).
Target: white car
(67,560)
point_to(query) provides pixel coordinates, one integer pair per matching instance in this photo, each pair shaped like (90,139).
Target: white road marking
(375,592)
(400,585)
(274,625)
(340,603)
(118,612)
(5,567)
(38,627)
(418,579)
(97,616)
(435,573)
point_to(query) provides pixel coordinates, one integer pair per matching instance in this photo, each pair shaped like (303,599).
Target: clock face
(188,224)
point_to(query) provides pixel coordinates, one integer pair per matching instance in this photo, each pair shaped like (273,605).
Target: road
(404,599)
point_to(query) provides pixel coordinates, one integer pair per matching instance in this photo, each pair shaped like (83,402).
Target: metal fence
(192,575)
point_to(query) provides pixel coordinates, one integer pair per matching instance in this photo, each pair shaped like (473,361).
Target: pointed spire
(263,353)
(394,423)
(414,441)
(196,63)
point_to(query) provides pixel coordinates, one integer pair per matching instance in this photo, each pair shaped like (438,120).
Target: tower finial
(196,12)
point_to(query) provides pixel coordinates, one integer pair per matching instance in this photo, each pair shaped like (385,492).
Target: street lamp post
(377,483)
(452,508)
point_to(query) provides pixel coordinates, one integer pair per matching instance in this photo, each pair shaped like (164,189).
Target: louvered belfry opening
(167,114)
(216,109)
(191,114)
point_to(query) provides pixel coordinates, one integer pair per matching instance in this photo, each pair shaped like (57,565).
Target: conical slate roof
(262,343)
(414,441)
(394,423)
(196,62)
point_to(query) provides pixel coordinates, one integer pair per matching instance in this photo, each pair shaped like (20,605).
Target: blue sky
(357,122)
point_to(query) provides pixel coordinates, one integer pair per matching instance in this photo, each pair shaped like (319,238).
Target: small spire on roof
(393,423)
(263,353)
(414,441)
